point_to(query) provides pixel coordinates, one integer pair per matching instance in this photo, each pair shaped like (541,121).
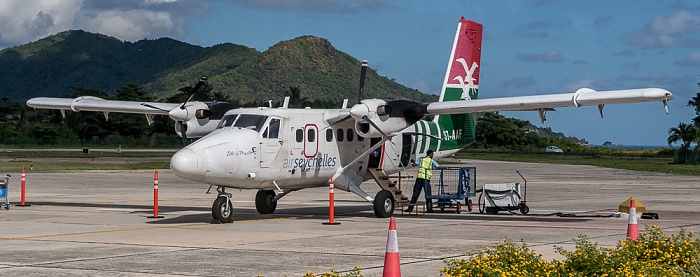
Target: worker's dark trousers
(417,187)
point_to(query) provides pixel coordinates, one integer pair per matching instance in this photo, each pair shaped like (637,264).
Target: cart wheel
(429,207)
(459,208)
(469,205)
(482,203)
(524,209)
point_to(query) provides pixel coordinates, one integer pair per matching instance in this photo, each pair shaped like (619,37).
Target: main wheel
(384,204)
(222,210)
(265,201)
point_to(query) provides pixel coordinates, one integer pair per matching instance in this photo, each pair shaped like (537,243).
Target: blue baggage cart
(452,185)
(3,193)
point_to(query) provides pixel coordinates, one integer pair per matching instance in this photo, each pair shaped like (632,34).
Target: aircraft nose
(184,163)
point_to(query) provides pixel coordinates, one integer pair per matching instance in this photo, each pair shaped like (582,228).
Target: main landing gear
(384,204)
(265,201)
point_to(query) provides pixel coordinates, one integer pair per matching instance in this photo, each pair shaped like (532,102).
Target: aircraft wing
(582,97)
(96,104)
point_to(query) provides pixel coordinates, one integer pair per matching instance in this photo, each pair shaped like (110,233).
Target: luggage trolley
(3,192)
(453,185)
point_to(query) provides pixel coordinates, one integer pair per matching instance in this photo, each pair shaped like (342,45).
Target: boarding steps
(386,184)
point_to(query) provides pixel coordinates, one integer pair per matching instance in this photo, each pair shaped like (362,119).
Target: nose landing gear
(222,209)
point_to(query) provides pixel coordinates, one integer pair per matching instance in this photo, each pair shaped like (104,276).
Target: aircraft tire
(222,211)
(384,204)
(264,202)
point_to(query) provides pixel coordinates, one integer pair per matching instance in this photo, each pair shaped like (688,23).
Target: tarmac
(95,223)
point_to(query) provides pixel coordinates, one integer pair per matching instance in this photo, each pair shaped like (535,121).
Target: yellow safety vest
(425,169)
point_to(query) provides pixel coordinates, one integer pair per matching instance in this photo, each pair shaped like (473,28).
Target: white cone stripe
(155,187)
(633,216)
(392,243)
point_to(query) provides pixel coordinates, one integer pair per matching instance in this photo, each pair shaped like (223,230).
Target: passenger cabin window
(339,135)
(226,121)
(250,121)
(329,135)
(300,135)
(350,135)
(273,129)
(311,135)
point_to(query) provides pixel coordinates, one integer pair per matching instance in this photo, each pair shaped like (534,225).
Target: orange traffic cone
(392,267)
(632,228)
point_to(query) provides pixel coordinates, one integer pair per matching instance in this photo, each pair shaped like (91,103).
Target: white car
(553,149)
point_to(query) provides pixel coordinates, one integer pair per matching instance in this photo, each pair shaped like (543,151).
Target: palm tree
(685,133)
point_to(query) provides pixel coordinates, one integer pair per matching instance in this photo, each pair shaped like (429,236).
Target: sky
(530,47)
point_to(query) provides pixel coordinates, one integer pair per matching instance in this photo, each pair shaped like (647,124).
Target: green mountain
(54,65)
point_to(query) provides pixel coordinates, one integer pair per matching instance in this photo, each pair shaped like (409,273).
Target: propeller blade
(154,107)
(183,132)
(194,90)
(374,125)
(363,75)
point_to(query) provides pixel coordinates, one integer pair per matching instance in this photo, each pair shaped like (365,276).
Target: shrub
(653,254)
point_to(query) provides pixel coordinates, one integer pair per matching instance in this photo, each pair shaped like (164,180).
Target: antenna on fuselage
(286,102)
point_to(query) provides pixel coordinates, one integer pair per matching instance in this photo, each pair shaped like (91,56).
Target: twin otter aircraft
(281,150)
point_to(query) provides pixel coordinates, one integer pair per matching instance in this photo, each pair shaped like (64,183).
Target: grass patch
(631,162)
(72,153)
(53,166)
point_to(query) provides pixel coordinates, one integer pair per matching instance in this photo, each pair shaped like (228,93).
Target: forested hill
(54,65)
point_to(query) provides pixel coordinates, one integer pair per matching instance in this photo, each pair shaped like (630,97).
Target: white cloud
(691,60)
(26,21)
(674,30)
(23,21)
(551,56)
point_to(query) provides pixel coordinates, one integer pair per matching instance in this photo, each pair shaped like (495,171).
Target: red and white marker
(632,228)
(155,197)
(392,266)
(331,208)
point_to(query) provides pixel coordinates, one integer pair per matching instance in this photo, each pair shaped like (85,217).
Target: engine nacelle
(197,128)
(389,125)
(387,118)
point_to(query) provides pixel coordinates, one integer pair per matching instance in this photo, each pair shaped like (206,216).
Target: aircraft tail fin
(461,83)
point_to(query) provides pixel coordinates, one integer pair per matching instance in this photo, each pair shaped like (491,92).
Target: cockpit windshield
(251,121)
(227,121)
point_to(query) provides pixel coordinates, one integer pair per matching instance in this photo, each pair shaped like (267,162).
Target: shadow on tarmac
(316,213)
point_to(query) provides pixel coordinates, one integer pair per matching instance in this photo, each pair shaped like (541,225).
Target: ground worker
(425,171)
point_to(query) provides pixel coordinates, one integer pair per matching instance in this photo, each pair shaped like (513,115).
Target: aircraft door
(310,140)
(375,158)
(406,147)
(270,142)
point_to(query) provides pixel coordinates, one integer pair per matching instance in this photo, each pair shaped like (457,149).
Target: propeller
(364,117)
(154,107)
(363,76)
(194,90)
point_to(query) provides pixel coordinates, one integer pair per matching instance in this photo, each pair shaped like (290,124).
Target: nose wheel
(222,209)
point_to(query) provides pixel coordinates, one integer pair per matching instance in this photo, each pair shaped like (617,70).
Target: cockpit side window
(227,121)
(273,129)
(250,121)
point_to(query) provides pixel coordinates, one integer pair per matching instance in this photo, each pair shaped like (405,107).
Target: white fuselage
(285,148)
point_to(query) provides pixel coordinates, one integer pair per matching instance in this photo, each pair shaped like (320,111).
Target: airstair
(385,183)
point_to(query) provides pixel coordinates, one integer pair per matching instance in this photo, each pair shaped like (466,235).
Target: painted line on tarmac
(104,231)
